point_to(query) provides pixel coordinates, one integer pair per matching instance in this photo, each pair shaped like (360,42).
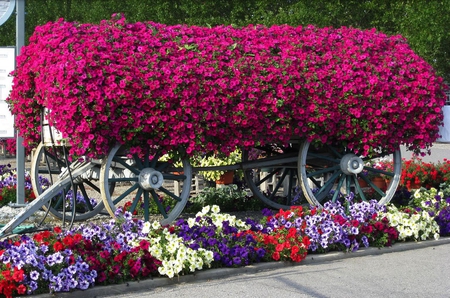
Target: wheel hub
(351,164)
(150,179)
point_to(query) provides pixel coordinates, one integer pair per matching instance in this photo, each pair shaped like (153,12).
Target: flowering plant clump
(229,198)
(222,234)
(336,227)
(426,199)
(33,265)
(9,145)
(8,186)
(443,220)
(107,250)
(214,89)
(417,172)
(412,224)
(175,256)
(283,236)
(215,160)
(433,202)
(444,170)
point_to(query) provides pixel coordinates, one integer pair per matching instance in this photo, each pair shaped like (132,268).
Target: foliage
(426,24)
(443,167)
(229,198)
(215,160)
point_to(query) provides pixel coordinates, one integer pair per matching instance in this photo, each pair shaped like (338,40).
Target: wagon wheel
(325,169)
(271,173)
(46,166)
(147,183)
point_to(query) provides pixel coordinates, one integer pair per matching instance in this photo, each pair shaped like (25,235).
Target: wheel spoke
(163,166)
(268,176)
(328,185)
(86,197)
(277,187)
(290,187)
(136,200)
(146,160)
(379,171)
(126,193)
(146,206)
(147,164)
(138,161)
(377,189)
(338,188)
(155,159)
(127,166)
(336,153)
(322,171)
(92,185)
(312,166)
(124,179)
(158,203)
(61,197)
(169,193)
(358,187)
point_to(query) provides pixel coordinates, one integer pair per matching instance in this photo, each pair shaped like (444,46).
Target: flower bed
(195,89)
(130,249)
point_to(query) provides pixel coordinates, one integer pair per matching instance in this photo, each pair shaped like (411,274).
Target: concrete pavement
(439,151)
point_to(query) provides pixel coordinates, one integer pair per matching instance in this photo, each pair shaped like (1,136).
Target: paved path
(412,269)
(439,151)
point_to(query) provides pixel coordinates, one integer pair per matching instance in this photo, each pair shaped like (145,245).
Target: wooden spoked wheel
(47,165)
(271,173)
(335,172)
(146,183)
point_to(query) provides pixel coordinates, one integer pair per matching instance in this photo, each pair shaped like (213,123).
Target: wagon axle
(351,164)
(150,178)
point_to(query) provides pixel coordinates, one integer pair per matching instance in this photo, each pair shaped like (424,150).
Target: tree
(426,24)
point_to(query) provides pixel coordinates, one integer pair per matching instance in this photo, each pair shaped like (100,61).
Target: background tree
(426,24)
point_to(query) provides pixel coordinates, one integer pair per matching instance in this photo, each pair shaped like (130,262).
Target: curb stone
(218,273)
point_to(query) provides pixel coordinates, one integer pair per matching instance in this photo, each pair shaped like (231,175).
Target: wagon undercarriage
(299,174)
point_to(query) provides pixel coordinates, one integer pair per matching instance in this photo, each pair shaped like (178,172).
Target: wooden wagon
(123,107)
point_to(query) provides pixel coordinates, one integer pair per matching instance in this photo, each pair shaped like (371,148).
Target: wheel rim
(46,166)
(324,169)
(272,175)
(142,181)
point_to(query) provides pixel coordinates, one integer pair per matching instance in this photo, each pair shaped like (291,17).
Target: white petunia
(146,228)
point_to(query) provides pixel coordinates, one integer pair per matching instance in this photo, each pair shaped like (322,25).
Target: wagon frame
(304,174)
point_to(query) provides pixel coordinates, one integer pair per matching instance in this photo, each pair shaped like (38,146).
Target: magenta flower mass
(194,89)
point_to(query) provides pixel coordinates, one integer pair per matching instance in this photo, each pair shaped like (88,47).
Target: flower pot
(413,185)
(362,183)
(380,183)
(226,178)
